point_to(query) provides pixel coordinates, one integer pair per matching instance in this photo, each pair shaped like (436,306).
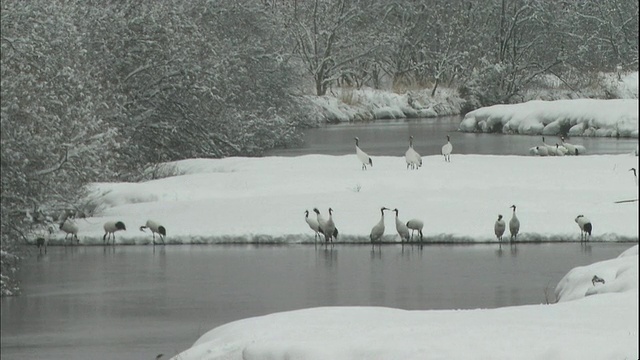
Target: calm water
(128,302)
(391,138)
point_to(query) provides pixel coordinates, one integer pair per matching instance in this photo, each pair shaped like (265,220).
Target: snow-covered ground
(580,117)
(589,321)
(263,199)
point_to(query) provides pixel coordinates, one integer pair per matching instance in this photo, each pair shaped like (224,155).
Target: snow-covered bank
(368,104)
(364,104)
(262,200)
(589,322)
(580,117)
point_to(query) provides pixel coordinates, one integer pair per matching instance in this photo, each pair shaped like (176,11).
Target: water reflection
(329,256)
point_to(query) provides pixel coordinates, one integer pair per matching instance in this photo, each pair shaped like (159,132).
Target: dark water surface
(129,302)
(391,138)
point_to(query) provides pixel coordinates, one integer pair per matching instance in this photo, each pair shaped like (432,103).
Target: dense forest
(104,90)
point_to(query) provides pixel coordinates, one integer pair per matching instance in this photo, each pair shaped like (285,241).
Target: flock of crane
(414,160)
(110,228)
(325,227)
(558,150)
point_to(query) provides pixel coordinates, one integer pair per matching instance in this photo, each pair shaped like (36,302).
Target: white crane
(110,228)
(70,228)
(573,149)
(330,228)
(446,150)
(560,150)
(542,150)
(322,224)
(635,175)
(550,149)
(585,227)
(155,229)
(378,229)
(401,228)
(313,224)
(499,228)
(412,157)
(415,225)
(514,225)
(362,156)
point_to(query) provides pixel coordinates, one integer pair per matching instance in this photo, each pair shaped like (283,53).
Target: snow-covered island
(580,117)
(263,200)
(590,320)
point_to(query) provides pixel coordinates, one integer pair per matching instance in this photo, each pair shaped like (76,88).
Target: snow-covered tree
(54,137)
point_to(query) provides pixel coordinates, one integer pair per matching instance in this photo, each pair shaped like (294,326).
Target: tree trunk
(435,86)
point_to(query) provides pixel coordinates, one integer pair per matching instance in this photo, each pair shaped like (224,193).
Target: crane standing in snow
(412,157)
(362,156)
(635,175)
(446,150)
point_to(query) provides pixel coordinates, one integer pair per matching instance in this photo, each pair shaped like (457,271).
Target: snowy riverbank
(262,200)
(365,104)
(589,321)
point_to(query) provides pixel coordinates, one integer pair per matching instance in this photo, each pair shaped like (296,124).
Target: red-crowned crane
(585,227)
(514,225)
(70,228)
(499,228)
(415,225)
(155,229)
(313,224)
(447,149)
(330,232)
(110,228)
(378,229)
(412,157)
(401,228)
(362,156)
(322,224)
